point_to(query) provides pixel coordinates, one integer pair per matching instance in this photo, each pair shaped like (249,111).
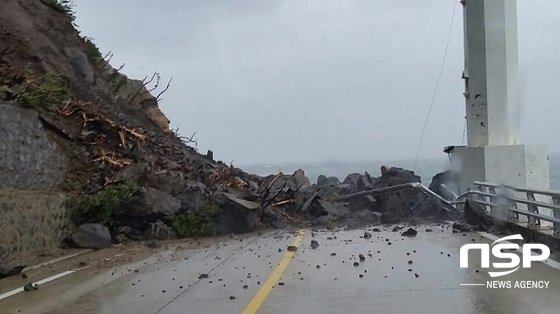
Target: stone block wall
(31,223)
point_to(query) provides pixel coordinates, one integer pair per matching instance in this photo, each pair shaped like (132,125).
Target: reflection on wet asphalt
(370,270)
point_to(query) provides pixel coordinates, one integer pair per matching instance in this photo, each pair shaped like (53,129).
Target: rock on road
(384,273)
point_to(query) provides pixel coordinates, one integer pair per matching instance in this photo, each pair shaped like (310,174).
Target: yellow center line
(259,298)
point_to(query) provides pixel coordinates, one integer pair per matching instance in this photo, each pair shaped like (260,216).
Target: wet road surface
(396,274)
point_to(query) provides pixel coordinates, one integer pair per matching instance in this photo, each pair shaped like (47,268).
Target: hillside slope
(75,125)
(84,144)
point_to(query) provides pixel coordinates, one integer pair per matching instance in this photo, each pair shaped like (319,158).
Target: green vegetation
(47,91)
(63,6)
(92,51)
(100,207)
(193,224)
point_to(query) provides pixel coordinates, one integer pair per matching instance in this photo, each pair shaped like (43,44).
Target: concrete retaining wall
(29,160)
(31,223)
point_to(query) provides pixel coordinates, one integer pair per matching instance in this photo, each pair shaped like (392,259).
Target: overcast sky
(315,80)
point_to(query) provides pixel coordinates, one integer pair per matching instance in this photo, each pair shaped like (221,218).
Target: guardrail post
(490,199)
(532,221)
(556,201)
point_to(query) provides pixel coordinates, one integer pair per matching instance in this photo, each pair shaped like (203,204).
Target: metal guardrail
(502,201)
(508,202)
(447,205)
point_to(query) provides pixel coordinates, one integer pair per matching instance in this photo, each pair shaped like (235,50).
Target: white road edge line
(40,282)
(552,263)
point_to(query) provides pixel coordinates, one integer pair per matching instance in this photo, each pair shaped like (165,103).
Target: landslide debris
(129,176)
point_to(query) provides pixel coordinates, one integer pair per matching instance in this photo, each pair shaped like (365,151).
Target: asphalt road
(259,274)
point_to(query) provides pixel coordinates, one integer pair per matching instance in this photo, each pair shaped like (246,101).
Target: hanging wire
(437,85)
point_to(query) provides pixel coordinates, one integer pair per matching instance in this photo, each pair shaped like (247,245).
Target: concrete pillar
(494,153)
(491,72)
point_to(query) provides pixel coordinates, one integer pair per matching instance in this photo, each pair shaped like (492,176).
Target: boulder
(272,218)
(274,184)
(361,203)
(192,198)
(132,172)
(397,204)
(316,207)
(476,215)
(336,209)
(166,181)
(94,236)
(352,179)
(323,181)
(365,182)
(7,271)
(235,215)
(150,201)
(300,180)
(396,176)
(253,188)
(312,206)
(442,183)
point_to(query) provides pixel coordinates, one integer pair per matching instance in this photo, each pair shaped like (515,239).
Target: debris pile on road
(291,198)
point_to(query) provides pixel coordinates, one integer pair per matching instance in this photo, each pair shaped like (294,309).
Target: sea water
(425,168)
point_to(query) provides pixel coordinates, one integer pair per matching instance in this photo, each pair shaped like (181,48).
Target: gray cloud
(317,80)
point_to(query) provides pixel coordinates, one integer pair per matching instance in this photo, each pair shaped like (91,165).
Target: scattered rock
(367,235)
(292,248)
(356,264)
(362,257)
(314,244)
(30,287)
(409,233)
(203,276)
(95,236)
(462,227)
